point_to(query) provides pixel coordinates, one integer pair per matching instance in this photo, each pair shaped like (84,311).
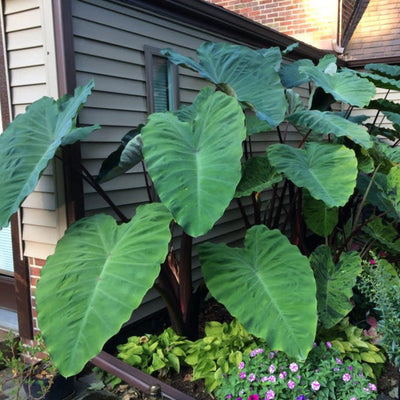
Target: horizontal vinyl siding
(28,75)
(109,40)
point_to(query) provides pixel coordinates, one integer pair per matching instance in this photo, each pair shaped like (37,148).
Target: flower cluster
(266,375)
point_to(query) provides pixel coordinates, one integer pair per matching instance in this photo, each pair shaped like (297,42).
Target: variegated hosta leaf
(268,286)
(334,283)
(241,72)
(330,123)
(98,275)
(31,141)
(328,171)
(195,165)
(319,218)
(257,175)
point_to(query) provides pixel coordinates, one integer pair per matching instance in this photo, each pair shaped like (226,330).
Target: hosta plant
(338,188)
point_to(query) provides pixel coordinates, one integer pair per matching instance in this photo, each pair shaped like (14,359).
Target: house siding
(109,40)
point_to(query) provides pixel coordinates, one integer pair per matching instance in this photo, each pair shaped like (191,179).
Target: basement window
(161,81)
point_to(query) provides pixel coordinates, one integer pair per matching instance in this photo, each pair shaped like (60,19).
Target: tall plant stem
(243,213)
(278,211)
(377,113)
(89,179)
(272,205)
(278,129)
(304,139)
(257,209)
(146,179)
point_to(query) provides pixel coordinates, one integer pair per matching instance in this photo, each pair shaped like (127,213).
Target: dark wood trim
(394,60)
(136,378)
(7,293)
(216,19)
(22,293)
(66,76)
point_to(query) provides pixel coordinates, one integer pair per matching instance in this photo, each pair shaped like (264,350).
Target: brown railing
(136,378)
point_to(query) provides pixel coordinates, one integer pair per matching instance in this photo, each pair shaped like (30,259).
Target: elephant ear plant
(200,158)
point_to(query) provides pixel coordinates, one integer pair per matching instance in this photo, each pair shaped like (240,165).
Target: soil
(213,311)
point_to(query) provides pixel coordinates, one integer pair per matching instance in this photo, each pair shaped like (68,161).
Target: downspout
(337,43)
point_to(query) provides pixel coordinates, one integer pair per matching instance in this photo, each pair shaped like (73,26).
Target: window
(161,81)
(6,254)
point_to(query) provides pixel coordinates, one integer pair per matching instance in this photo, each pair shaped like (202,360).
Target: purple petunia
(270,395)
(252,377)
(301,397)
(315,385)
(293,367)
(328,345)
(241,365)
(346,377)
(271,369)
(291,385)
(242,375)
(253,397)
(372,387)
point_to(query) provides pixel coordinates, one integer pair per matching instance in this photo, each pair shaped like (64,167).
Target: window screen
(161,82)
(6,255)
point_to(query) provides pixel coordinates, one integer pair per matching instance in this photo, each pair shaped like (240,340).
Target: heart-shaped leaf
(242,72)
(334,283)
(30,142)
(195,165)
(268,286)
(330,123)
(328,171)
(98,267)
(386,234)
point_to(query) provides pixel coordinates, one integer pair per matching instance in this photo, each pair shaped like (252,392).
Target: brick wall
(310,21)
(35,265)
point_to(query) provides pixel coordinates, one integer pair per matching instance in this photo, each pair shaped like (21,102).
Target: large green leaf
(30,142)
(257,175)
(268,286)
(318,217)
(330,123)
(334,283)
(291,74)
(393,187)
(128,154)
(328,171)
(195,165)
(384,105)
(242,72)
(255,125)
(381,81)
(97,276)
(343,86)
(392,71)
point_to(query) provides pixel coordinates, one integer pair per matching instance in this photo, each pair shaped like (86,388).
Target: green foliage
(155,353)
(266,260)
(221,348)
(381,285)
(353,344)
(334,283)
(199,158)
(272,375)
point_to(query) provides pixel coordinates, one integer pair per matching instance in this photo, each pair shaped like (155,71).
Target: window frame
(173,77)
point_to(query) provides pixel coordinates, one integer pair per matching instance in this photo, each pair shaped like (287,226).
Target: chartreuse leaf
(31,141)
(328,171)
(98,267)
(318,217)
(257,175)
(128,154)
(334,283)
(195,165)
(343,86)
(330,123)
(241,72)
(268,286)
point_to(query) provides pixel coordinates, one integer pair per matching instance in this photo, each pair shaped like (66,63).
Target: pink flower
(228,396)
(272,378)
(338,360)
(315,385)
(291,385)
(372,261)
(328,345)
(353,398)
(271,369)
(283,375)
(346,377)
(293,367)
(253,397)
(242,375)
(252,378)
(372,387)
(270,395)
(241,365)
